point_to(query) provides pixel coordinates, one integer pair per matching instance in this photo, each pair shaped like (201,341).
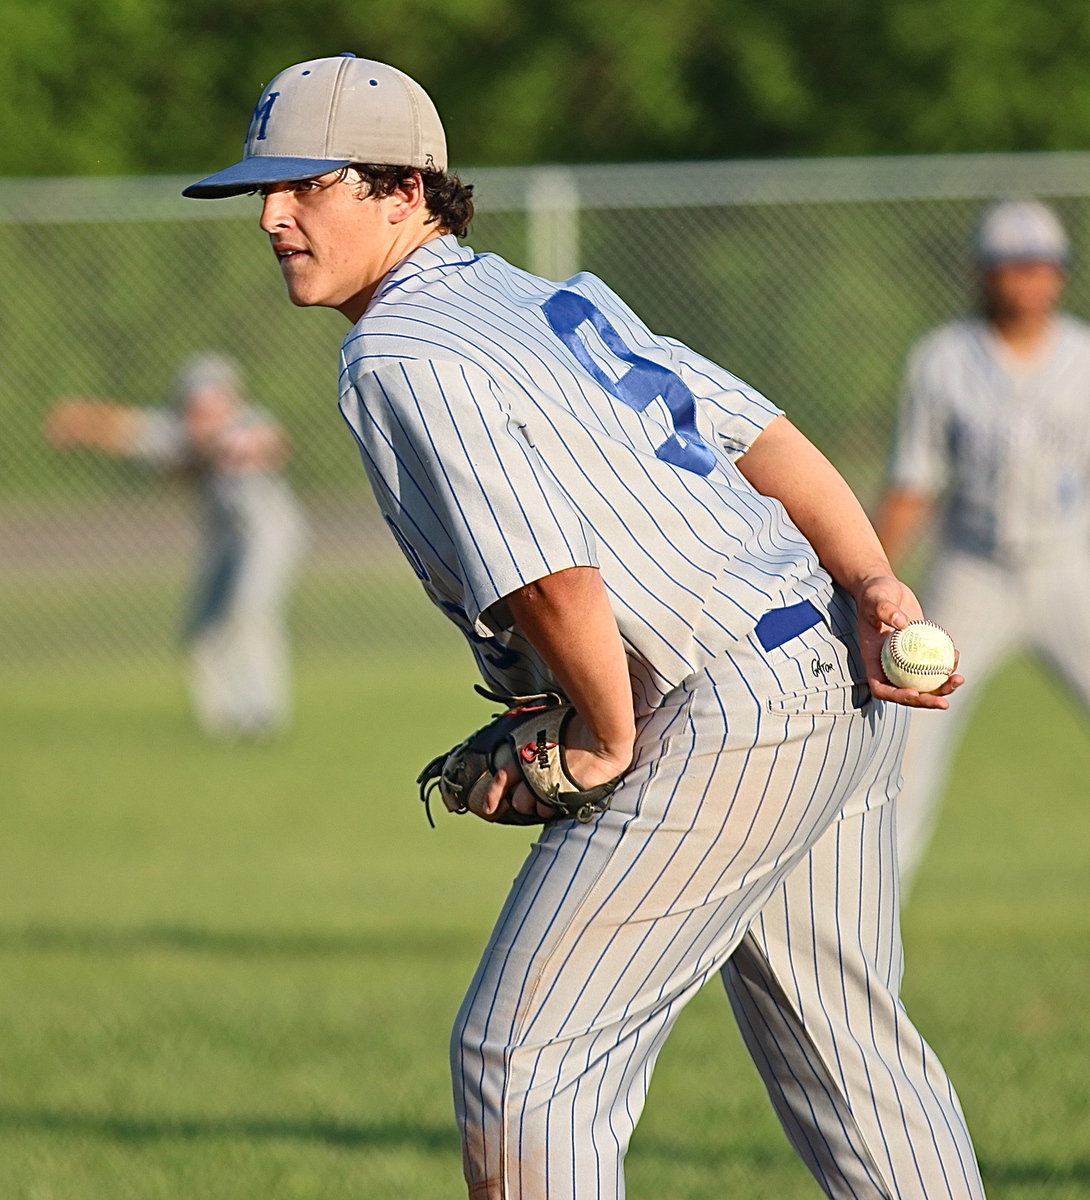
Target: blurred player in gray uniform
(253,533)
(995,434)
(601,510)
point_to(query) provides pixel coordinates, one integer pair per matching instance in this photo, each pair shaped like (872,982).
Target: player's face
(1025,289)
(208,412)
(333,246)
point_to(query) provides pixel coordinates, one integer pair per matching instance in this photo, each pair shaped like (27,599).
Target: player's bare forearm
(901,517)
(785,464)
(568,619)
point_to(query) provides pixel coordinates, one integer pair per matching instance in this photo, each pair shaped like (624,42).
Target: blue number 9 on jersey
(641,384)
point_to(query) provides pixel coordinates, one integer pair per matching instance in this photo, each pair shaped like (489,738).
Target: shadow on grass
(150,1129)
(417,1136)
(999,1173)
(371,944)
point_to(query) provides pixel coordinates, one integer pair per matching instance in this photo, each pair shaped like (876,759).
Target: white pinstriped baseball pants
(993,612)
(239,659)
(753,837)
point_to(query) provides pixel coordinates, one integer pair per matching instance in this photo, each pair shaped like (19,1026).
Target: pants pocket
(831,699)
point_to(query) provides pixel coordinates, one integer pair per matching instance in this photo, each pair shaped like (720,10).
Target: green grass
(229,973)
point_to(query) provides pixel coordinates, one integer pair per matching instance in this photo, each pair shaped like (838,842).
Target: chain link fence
(807,278)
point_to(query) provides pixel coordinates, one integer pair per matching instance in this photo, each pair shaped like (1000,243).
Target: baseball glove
(530,733)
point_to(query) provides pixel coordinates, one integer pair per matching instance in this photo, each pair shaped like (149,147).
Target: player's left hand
(885,604)
(588,764)
(508,792)
(535,762)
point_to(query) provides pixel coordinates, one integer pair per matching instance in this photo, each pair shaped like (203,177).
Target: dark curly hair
(447,198)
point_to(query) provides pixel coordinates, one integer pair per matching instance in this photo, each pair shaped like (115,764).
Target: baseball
(920,656)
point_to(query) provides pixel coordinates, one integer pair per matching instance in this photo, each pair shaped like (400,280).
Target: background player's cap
(1020,231)
(206,369)
(321,115)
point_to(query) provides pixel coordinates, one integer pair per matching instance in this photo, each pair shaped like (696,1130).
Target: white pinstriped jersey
(513,427)
(1009,441)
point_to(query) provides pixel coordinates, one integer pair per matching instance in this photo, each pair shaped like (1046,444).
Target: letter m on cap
(260,120)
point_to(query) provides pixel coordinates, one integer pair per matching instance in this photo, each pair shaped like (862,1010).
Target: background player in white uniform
(995,432)
(253,532)
(592,505)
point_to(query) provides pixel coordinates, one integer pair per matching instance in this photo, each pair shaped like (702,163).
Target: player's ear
(406,199)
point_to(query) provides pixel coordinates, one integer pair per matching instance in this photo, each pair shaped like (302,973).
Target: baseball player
(603,512)
(253,533)
(994,433)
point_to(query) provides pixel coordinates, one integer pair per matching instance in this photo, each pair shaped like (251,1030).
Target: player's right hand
(885,604)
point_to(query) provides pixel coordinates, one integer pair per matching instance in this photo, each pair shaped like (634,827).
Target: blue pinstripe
(603,1007)
(453,315)
(501,453)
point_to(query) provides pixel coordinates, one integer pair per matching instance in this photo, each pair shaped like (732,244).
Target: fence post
(552,223)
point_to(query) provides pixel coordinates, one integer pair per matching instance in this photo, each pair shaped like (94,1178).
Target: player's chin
(301,291)
(300,296)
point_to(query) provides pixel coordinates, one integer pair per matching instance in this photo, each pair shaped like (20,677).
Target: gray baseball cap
(321,115)
(1020,231)
(206,369)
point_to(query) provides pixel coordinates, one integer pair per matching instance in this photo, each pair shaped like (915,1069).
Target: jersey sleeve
(465,480)
(738,413)
(160,440)
(919,459)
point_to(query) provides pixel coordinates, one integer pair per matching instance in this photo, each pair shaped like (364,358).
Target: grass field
(229,973)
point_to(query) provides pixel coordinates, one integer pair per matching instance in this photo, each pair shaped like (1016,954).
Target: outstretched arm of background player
(783,463)
(902,515)
(568,619)
(76,422)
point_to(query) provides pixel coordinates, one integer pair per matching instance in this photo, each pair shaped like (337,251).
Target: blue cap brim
(258,171)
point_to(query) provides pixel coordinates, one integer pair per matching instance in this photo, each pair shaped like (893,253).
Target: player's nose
(275,211)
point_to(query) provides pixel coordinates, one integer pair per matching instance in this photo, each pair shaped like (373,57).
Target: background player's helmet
(1020,231)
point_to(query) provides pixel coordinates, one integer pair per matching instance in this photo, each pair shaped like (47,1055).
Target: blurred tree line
(149,86)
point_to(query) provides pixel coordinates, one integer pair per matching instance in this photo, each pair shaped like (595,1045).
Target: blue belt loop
(782,624)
